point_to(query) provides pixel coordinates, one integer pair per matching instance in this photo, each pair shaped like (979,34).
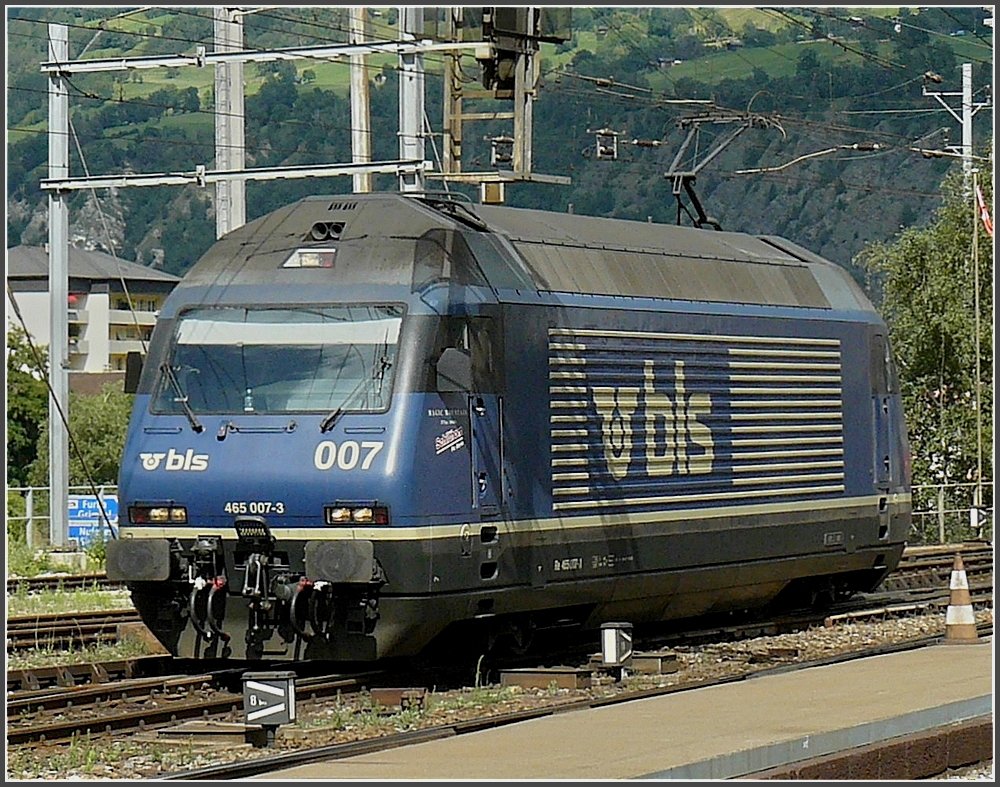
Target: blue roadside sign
(86,523)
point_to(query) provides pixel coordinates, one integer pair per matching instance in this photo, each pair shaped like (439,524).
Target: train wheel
(521,635)
(822,596)
(511,638)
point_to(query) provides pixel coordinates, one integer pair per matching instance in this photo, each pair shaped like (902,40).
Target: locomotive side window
(485,368)
(892,375)
(474,339)
(281,360)
(884,377)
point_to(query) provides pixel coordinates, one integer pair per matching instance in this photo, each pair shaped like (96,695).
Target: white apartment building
(102,327)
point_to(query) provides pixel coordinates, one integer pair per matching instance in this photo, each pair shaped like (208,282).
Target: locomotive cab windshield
(280,360)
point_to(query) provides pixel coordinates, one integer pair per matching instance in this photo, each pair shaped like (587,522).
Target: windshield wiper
(181,397)
(363,386)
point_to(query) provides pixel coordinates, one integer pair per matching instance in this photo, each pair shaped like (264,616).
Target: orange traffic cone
(960,620)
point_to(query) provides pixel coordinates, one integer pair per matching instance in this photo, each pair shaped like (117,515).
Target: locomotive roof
(389,238)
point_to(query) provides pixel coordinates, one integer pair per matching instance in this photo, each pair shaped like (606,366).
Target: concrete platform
(710,733)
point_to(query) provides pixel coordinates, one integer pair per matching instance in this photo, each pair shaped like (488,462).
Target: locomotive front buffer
(324,596)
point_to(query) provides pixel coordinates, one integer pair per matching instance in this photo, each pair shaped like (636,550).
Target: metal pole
(532,72)
(361,135)
(29,517)
(966,123)
(940,507)
(202,58)
(526,73)
(978,501)
(525,81)
(452,102)
(411,98)
(230,142)
(521,113)
(58,290)
(969,109)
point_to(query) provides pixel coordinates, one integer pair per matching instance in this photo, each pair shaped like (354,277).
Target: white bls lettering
(174,460)
(677,443)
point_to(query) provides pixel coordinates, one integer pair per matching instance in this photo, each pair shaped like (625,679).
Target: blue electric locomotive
(363,420)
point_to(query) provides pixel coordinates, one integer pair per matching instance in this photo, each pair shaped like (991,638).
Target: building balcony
(122,346)
(78,346)
(77,316)
(125,317)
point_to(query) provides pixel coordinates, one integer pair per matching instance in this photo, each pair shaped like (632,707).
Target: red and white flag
(984,212)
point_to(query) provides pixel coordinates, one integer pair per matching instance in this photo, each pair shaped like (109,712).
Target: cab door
(881,412)
(487,454)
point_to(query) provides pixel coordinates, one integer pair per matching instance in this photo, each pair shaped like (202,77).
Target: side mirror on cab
(133,370)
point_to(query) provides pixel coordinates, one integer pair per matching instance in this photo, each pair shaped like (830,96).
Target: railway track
(22,681)
(90,581)
(147,703)
(66,630)
(59,713)
(104,705)
(931,567)
(41,718)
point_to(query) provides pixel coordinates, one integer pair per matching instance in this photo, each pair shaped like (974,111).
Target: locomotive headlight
(363,514)
(336,516)
(145,515)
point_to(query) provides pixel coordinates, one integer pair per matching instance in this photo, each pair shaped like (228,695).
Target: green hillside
(819,78)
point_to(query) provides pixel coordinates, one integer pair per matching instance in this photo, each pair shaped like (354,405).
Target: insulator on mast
(501,150)
(607,144)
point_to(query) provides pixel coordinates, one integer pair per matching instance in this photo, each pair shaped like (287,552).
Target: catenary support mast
(58,290)
(361,135)
(230,195)
(411,98)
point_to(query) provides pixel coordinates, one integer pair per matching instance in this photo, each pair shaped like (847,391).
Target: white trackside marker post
(269,700)
(960,619)
(616,647)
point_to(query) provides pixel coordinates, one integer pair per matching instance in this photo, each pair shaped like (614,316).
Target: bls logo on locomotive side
(175,460)
(677,443)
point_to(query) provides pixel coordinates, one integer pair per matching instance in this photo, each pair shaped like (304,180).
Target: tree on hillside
(27,404)
(925,284)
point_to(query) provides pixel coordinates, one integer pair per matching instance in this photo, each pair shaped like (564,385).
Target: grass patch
(48,657)
(329,75)
(82,755)
(475,697)
(365,719)
(56,601)
(778,60)
(337,717)
(24,561)
(99,757)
